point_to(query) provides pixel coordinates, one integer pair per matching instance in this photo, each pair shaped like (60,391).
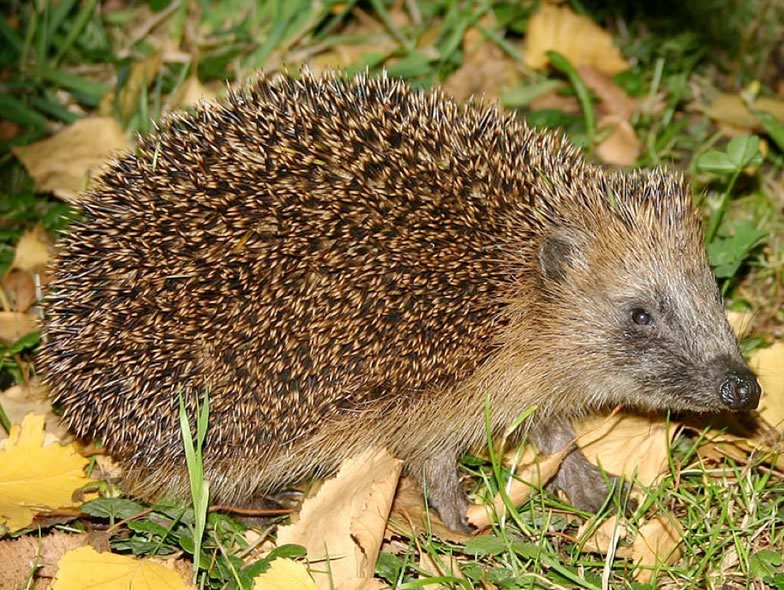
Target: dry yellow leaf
(621,147)
(768,364)
(613,100)
(409,515)
(447,566)
(367,584)
(536,471)
(732,110)
(602,538)
(20,400)
(35,478)
(656,543)
(626,445)
(740,321)
(86,569)
(14,325)
(63,163)
(190,93)
(284,574)
(19,287)
(486,70)
(141,76)
(346,519)
(32,250)
(578,38)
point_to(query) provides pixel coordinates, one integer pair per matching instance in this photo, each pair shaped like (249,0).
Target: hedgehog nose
(740,390)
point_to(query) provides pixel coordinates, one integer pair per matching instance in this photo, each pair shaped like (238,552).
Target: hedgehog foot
(438,475)
(585,484)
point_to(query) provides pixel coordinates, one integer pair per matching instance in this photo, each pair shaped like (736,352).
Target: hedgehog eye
(641,317)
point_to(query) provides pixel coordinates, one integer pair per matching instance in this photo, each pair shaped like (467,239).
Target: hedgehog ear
(559,252)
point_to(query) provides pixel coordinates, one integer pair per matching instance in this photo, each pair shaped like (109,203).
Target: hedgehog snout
(739,389)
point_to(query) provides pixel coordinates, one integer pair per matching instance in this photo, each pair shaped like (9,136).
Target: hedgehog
(343,263)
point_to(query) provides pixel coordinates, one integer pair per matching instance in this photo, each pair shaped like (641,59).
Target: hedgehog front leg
(583,482)
(438,474)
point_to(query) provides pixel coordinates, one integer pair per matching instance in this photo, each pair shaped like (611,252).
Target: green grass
(59,60)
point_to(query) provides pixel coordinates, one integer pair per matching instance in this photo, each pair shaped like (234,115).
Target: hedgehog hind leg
(438,476)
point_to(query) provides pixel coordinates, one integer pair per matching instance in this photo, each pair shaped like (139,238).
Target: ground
(697,86)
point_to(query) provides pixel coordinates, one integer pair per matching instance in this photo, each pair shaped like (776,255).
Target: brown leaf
(621,147)
(345,521)
(14,325)
(485,71)
(8,130)
(578,38)
(20,288)
(20,400)
(20,556)
(533,471)
(409,515)
(768,364)
(602,538)
(656,543)
(141,76)
(446,566)
(32,250)
(553,100)
(190,93)
(614,101)
(732,110)
(627,445)
(64,163)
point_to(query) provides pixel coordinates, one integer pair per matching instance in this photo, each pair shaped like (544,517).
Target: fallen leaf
(8,130)
(486,70)
(657,543)
(18,555)
(532,472)
(19,285)
(409,515)
(368,584)
(190,93)
(86,569)
(345,520)
(141,75)
(576,37)
(740,321)
(603,538)
(32,250)
(621,147)
(732,109)
(31,398)
(627,445)
(446,566)
(284,574)
(614,101)
(553,100)
(14,325)
(64,163)
(768,364)
(36,478)
(372,40)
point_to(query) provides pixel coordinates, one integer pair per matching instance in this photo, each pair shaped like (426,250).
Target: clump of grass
(200,488)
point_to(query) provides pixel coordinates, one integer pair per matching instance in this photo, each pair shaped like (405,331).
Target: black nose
(740,391)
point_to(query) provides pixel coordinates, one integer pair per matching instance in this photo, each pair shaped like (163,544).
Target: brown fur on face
(347,263)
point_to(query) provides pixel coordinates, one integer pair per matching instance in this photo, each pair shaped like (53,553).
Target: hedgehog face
(649,314)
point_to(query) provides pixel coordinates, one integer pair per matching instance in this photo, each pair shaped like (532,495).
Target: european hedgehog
(345,263)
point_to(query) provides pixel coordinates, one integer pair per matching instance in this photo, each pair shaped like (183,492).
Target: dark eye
(641,317)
